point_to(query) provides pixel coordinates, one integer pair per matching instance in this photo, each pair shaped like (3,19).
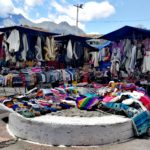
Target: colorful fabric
(141,123)
(86,102)
(146,101)
(129,111)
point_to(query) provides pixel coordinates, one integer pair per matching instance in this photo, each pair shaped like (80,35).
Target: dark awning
(71,37)
(28,30)
(126,32)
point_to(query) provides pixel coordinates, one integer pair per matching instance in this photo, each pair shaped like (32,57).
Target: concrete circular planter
(71,131)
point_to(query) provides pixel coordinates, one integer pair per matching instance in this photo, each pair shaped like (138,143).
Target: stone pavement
(5,137)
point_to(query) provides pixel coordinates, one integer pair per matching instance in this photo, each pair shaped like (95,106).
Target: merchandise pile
(125,99)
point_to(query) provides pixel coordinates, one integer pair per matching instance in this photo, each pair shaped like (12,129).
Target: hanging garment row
(21,46)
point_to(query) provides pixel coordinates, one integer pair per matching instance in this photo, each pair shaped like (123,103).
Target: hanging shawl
(38,49)
(69,50)
(50,49)
(74,51)
(47,49)
(25,47)
(14,41)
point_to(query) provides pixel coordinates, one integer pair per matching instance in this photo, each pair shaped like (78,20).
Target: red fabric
(146,101)
(55,64)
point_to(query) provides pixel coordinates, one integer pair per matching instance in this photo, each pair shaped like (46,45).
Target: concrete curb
(71,131)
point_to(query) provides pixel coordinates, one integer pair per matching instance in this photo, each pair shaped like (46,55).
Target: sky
(96,16)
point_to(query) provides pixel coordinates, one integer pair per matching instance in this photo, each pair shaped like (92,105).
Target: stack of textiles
(125,99)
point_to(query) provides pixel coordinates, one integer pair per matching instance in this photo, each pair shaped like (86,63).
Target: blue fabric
(104,65)
(141,123)
(129,111)
(104,45)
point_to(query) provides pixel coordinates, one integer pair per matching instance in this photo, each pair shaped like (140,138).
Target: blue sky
(97,16)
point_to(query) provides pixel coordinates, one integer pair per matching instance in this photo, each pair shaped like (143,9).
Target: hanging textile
(13,41)
(146,60)
(47,49)
(38,48)
(25,47)
(52,48)
(74,51)
(133,59)
(69,50)
(5,47)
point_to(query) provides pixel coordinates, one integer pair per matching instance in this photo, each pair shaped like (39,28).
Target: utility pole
(78,6)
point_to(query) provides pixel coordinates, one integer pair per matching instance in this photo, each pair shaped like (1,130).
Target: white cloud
(40,20)
(96,10)
(21,11)
(91,10)
(33,3)
(6,7)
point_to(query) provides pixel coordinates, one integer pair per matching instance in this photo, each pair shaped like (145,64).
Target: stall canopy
(28,30)
(126,32)
(75,38)
(71,37)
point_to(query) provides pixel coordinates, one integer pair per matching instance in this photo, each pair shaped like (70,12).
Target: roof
(28,30)
(107,43)
(71,37)
(127,32)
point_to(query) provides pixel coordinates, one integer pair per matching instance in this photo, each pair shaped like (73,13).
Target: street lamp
(78,6)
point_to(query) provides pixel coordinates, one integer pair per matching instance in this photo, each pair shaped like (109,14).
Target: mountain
(62,28)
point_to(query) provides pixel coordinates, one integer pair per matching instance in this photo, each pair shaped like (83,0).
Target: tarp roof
(71,37)
(104,45)
(126,32)
(28,30)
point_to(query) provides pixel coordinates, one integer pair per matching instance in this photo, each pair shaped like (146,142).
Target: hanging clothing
(79,50)
(52,49)
(14,41)
(74,51)
(5,47)
(133,59)
(94,58)
(25,47)
(146,62)
(69,50)
(38,48)
(128,54)
(47,49)
(127,47)
(115,60)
